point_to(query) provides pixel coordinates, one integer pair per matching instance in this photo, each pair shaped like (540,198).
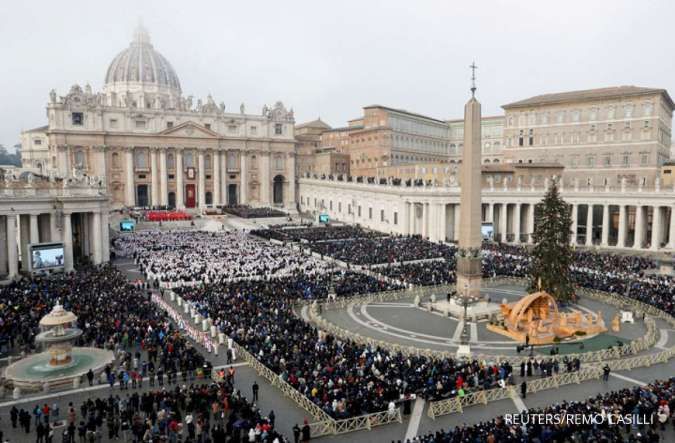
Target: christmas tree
(552,254)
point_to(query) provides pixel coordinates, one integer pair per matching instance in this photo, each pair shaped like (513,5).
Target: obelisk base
(469,277)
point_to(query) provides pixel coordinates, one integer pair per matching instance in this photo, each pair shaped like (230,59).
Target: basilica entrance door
(142,198)
(172,200)
(190,196)
(232,194)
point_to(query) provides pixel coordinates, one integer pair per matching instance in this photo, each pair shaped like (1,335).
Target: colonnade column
(180,199)
(411,220)
(589,225)
(671,245)
(216,177)
(129,187)
(3,244)
(530,222)
(34,230)
(639,227)
(105,237)
(163,185)
(201,192)
(516,224)
(605,225)
(67,243)
(425,220)
(243,183)
(575,223)
(96,237)
(12,248)
(442,222)
(656,228)
(504,222)
(155,177)
(621,238)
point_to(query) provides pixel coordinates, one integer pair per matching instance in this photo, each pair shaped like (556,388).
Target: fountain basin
(35,371)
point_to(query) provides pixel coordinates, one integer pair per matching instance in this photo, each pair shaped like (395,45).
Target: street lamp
(464,338)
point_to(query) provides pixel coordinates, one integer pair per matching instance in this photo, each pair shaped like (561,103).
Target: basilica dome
(140,68)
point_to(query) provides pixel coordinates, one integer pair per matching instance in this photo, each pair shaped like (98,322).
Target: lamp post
(464,338)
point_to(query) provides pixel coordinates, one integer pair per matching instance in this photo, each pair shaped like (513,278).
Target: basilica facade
(155,147)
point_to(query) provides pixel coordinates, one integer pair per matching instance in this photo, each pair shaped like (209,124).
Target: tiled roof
(588,94)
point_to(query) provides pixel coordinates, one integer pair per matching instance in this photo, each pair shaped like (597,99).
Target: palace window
(169,125)
(520,138)
(77,118)
(207,126)
(396,218)
(279,162)
(381,215)
(231,160)
(141,160)
(37,141)
(278,129)
(188,160)
(648,109)
(170,161)
(644,159)
(207,161)
(140,124)
(79,158)
(254,130)
(115,160)
(113,123)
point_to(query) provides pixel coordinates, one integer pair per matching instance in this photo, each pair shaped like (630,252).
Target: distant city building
(308,140)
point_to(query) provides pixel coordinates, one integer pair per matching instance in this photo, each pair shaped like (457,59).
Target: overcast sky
(329,59)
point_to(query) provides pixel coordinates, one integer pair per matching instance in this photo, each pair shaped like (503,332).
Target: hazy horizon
(331,60)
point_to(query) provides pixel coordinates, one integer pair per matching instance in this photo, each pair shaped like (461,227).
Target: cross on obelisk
(473,78)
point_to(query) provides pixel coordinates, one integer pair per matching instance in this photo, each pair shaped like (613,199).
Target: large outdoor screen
(487,230)
(323,218)
(46,256)
(127,225)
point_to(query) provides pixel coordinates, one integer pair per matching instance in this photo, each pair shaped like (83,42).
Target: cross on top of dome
(141,35)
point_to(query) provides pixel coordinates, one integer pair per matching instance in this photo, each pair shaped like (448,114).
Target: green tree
(552,254)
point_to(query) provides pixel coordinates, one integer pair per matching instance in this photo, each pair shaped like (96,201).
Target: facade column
(530,223)
(163,184)
(575,224)
(491,214)
(458,210)
(605,226)
(223,180)
(405,218)
(129,186)
(243,183)
(671,245)
(621,240)
(12,248)
(34,231)
(215,161)
(412,214)
(201,192)
(504,222)
(265,179)
(105,236)
(589,225)
(67,243)
(24,239)
(656,228)
(290,169)
(516,224)
(639,227)
(154,176)
(3,244)
(180,188)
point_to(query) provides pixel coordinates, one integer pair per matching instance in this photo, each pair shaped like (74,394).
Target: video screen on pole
(323,218)
(127,225)
(46,256)
(487,230)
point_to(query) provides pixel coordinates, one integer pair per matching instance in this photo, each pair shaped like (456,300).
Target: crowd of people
(653,403)
(245,211)
(199,412)
(390,249)
(112,312)
(193,257)
(342,377)
(426,273)
(314,234)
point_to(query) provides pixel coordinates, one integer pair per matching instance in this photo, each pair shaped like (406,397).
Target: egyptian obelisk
(470,237)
